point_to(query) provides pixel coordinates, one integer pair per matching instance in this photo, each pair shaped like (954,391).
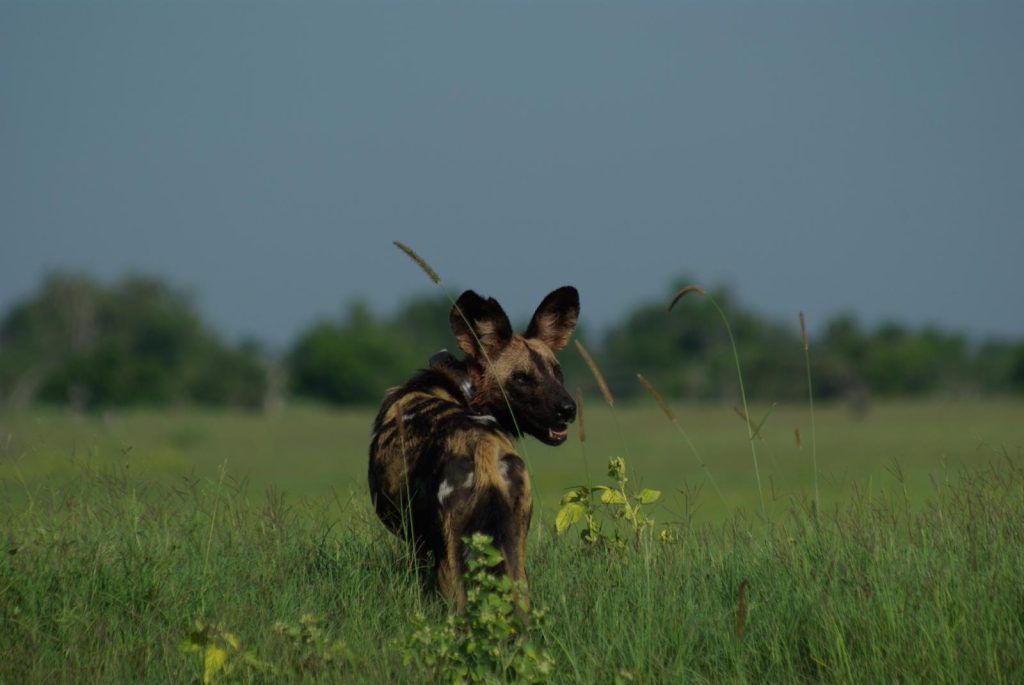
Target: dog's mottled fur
(443,464)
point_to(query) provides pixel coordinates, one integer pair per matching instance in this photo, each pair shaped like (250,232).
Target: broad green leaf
(577,494)
(646,496)
(613,497)
(188,645)
(215,660)
(568,515)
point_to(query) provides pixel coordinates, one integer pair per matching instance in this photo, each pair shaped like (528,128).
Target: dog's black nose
(567,410)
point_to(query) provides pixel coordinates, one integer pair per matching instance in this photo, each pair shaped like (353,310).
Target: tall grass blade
(605,391)
(598,376)
(810,400)
(657,397)
(741,610)
(675,422)
(581,424)
(739,376)
(757,431)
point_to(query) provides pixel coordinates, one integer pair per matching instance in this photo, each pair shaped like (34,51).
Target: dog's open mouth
(558,435)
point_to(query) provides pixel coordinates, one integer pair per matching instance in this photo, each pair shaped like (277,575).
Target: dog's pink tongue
(556,434)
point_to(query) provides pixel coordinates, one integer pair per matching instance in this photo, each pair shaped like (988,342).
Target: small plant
(490,641)
(224,660)
(616,502)
(312,649)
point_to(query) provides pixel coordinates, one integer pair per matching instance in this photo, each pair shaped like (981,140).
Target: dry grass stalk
(743,415)
(672,419)
(685,291)
(799,443)
(419,260)
(741,612)
(597,374)
(579,415)
(657,396)
(810,401)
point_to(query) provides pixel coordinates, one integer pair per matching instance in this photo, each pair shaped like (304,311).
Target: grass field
(316,452)
(121,531)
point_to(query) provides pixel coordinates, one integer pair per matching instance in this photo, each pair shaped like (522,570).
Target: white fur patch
(408,416)
(485,419)
(469,480)
(443,491)
(503,469)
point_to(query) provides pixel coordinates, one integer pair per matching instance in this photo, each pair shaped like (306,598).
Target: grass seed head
(597,374)
(657,396)
(419,260)
(803,332)
(743,415)
(685,291)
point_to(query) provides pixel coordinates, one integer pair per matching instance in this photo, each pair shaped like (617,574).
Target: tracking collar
(446,361)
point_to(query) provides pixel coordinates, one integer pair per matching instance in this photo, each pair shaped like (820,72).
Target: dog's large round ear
(555,318)
(477,322)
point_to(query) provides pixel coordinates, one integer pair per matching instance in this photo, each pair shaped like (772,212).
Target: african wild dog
(442,461)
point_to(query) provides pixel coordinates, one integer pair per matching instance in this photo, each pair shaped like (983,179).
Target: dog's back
(429,452)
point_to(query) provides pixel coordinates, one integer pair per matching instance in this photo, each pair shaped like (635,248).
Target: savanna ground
(121,531)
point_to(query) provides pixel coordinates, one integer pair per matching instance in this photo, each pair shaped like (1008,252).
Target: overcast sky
(824,156)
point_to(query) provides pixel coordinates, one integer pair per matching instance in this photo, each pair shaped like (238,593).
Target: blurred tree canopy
(139,341)
(357,359)
(686,353)
(353,361)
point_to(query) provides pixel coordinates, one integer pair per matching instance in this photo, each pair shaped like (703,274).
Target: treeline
(82,343)
(86,344)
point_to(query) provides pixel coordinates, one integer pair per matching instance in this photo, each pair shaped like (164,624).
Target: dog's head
(524,365)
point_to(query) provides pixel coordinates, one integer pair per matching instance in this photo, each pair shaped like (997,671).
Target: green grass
(319,452)
(910,574)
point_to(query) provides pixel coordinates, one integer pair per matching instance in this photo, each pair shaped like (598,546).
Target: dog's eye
(521,378)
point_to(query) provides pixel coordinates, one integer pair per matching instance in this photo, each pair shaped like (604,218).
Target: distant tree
(899,361)
(80,342)
(838,360)
(43,333)
(351,362)
(232,376)
(422,323)
(687,352)
(139,341)
(1016,375)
